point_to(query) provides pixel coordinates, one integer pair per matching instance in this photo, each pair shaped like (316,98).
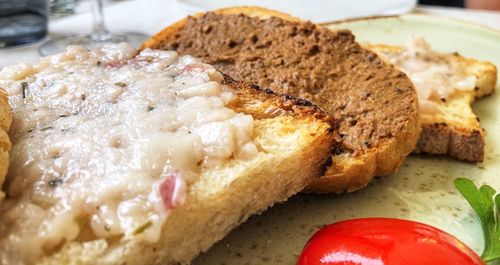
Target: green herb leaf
(24,89)
(486,205)
(121,84)
(142,228)
(55,182)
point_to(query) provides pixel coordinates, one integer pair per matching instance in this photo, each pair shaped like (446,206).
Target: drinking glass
(99,36)
(22,21)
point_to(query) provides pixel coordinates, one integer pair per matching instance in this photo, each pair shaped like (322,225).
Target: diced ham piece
(194,68)
(173,190)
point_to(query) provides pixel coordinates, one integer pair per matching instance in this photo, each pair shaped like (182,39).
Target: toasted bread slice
(451,127)
(5,120)
(376,103)
(44,222)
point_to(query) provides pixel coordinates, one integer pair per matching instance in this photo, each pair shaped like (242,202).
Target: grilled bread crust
(5,121)
(353,167)
(456,132)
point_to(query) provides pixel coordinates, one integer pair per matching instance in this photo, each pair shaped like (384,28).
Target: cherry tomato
(385,241)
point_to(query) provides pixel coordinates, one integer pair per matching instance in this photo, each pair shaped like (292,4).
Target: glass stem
(99,28)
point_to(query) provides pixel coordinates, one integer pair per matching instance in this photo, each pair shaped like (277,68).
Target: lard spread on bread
(434,76)
(107,142)
(447,84)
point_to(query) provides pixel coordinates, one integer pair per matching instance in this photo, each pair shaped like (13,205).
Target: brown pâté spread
(373,100)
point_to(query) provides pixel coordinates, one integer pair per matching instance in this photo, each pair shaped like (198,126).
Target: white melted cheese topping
(107,142)
(434,75)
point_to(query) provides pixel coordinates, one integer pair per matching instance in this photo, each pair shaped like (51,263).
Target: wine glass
(99,36)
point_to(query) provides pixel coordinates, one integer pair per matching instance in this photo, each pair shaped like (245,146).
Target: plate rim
(417,16)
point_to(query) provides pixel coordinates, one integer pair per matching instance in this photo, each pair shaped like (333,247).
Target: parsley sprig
(486,204)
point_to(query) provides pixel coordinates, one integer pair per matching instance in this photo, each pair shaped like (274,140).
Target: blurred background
(33,28)
(474,4)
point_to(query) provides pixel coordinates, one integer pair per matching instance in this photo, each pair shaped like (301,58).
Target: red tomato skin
(385,241)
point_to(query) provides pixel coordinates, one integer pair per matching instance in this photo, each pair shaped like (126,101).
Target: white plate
(314,10)
(423,188)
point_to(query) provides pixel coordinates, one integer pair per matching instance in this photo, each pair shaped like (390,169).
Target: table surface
(150,16)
